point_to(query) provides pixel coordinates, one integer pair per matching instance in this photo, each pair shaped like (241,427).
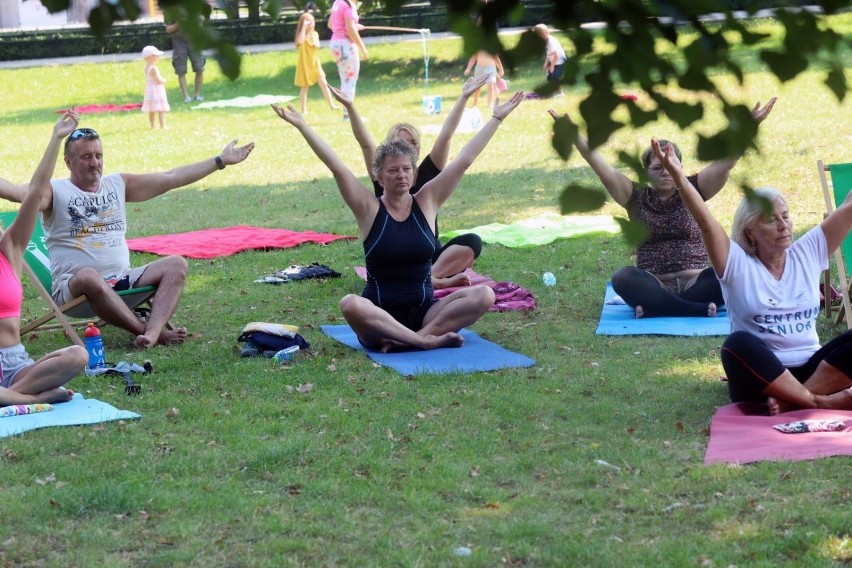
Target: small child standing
(483,63)
(554,55)
(308,69)
(155,101)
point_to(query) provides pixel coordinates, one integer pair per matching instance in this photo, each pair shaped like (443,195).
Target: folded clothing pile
(298,272)
(266,339)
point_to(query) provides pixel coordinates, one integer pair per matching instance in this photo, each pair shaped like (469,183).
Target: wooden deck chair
(841,185)
(37,269)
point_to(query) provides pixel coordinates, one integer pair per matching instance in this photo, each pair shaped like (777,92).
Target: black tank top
(398,255)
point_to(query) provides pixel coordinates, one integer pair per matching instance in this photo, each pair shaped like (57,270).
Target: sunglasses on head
(86,133)
(83,133)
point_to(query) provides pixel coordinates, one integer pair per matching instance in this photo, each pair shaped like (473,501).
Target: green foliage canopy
(636,33)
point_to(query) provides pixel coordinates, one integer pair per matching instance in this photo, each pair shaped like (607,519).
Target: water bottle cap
(91,331)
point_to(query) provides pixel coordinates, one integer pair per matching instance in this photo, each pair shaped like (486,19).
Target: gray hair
(750,210)
(649,151)
(395,147)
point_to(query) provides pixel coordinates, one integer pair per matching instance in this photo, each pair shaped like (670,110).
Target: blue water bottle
(94,346)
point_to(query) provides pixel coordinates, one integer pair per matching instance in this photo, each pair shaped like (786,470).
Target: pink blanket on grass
(737,436)
(92,109)
(212,243)
(508,295)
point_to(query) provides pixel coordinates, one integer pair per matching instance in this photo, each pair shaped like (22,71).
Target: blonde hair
(750,210)
(541,29)
(302,22)
(396,128)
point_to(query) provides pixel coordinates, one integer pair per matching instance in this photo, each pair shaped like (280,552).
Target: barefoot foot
(166,337)
(456,280)
(711,310)
(841,400)
(59,394)
(639,312)
(450,339)
(774,406)
(172,336)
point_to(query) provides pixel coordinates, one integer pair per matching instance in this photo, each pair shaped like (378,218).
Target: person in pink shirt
(344,26)
(23,380)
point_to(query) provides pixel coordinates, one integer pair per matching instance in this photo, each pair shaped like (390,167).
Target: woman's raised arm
(359,129)
(17,237)
(616,183)
(439,189)
(715,238)
(837,225)
(357,197)
(440,151)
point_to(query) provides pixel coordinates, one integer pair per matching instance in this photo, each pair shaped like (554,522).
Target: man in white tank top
(85,223)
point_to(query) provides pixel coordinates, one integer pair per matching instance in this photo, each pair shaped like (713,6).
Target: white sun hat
(151,50)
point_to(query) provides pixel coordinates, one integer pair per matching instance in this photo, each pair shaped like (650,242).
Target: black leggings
(751,366)
(469,240)
(638,287)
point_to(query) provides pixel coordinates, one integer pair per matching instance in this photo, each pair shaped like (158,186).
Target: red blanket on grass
(211,243)
(736,436)
(92,109)
(508,295)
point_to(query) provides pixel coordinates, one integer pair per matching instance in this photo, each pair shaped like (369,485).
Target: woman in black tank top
(398,310)
(450,260)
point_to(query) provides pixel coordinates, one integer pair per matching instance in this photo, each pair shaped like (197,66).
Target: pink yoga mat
(93,109)
(739,437)
(211,243)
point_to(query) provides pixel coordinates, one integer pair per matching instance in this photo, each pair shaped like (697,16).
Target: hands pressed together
(667,158)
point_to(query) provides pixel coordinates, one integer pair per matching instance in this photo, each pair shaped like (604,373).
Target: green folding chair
(37,269)
(834,194)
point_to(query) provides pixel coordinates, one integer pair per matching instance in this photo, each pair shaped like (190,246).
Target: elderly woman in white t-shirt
(771,289)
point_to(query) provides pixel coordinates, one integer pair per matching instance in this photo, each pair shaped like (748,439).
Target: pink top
(13,291)
(340,12)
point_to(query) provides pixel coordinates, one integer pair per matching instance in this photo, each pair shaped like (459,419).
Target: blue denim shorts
(12,360)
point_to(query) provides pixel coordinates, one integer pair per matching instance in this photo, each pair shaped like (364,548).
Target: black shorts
(412,316)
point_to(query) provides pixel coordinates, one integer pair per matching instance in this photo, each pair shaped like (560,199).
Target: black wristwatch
(219,163)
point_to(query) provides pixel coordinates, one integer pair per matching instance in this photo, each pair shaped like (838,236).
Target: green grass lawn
(370,468)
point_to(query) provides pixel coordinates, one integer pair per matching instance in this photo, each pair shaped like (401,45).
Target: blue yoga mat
(621,320)
(476,354)
(75,412)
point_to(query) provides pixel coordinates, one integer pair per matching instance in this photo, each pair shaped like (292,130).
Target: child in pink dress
(308,68)
(155,101)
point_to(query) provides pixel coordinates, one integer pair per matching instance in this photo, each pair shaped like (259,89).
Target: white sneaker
(199,98)
(187,100)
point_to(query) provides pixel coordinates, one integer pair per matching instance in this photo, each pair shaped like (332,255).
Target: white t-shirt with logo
(782,312)
(87,229)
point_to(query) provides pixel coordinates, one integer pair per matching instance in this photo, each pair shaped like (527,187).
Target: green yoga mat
(540,230)
(841,182)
